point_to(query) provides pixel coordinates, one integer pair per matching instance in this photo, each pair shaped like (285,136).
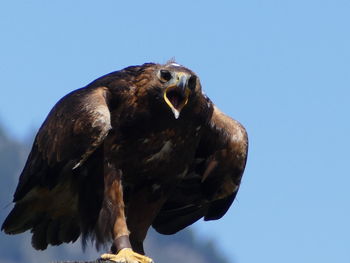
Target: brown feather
(111,158)
(210,187)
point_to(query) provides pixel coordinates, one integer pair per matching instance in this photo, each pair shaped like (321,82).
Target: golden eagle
(135,148)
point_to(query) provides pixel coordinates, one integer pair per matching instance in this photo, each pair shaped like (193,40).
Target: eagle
(138,147)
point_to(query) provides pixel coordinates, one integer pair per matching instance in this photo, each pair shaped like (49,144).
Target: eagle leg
(142,209)
(127,255)
(121,248)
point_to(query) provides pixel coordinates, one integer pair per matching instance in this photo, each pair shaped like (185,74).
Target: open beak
(176,94)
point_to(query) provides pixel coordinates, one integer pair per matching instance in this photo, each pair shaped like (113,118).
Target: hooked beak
(177,93)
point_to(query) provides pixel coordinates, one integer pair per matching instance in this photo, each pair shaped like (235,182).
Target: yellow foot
(126,255)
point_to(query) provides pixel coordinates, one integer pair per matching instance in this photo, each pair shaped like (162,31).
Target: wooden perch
(95,261)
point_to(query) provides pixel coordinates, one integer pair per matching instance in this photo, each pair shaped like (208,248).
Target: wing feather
(46,198)
(211,185)
(72,131)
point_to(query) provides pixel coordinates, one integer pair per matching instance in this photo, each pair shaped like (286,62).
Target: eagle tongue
(174,98)
(175,101)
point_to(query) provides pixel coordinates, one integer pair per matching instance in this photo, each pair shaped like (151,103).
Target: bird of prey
(139,147)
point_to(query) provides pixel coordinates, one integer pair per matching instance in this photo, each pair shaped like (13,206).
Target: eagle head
(178,83)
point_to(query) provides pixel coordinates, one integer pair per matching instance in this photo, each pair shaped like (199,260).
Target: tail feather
(52,236)
(39,240)
(69,229)
(46,228)
(20,219)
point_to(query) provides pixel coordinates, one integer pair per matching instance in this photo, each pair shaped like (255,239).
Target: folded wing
(213,180)
(47,195)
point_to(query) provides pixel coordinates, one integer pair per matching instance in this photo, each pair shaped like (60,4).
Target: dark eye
(165,75)
(192,82)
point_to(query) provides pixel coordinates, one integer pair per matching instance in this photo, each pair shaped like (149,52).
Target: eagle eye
(192,82)
(165,75)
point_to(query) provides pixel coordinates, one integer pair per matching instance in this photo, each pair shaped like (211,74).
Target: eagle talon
(127,255)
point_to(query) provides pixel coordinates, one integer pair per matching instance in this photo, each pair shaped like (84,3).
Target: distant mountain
(182,247)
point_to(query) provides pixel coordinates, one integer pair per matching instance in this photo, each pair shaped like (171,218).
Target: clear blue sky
(282,68)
